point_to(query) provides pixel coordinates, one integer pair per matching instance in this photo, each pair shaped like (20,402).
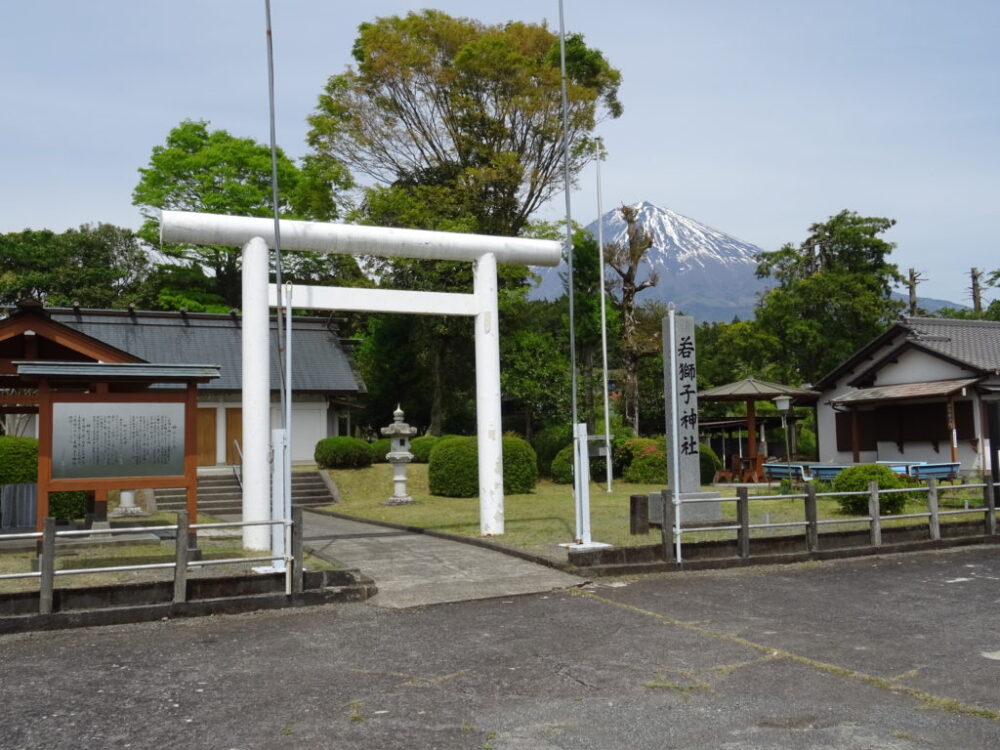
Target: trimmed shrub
(856,479)
(548,443)
(19,465)
(648,464)
(453,469)
(421,447)
(648,468)
(709,463)
(343,453)
(68,505)
(379,449)
(18,460)
(520,466)
(561,467)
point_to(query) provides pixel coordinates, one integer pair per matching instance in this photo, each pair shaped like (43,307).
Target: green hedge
(647,468)
(561,467)
(379,449)
(856,479)
(453,469)
(550,442)
(421,448)
(343,453)
(18,460)
(68,505)
(709,463)
(19,465)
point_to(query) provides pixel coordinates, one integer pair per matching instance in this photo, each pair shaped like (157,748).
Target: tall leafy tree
(211,171)
(475,108)
(94,266)
(833,293)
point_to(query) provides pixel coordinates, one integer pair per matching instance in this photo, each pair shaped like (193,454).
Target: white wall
(918,367)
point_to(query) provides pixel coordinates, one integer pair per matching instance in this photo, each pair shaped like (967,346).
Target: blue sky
(757,118)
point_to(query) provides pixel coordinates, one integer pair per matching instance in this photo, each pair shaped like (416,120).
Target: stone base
(133,511)
(404,500)
(693,513)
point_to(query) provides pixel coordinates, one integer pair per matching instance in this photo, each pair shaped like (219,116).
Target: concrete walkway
(413,570)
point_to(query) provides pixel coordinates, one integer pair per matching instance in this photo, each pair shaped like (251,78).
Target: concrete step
(222,493)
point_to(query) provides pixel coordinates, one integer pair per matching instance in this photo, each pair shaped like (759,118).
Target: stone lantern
(399,456)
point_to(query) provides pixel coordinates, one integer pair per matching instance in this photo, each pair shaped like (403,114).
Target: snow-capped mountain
(706,273)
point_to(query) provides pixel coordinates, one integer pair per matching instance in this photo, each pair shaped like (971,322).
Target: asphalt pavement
(896,652)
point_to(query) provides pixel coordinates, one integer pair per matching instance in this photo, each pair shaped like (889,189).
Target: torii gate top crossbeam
(351,239)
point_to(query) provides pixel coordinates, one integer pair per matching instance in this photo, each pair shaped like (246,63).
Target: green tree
(833,294)
(212,171)
(94,266)
(475,108)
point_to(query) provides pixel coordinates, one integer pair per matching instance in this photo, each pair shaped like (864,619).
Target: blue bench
(825,472)
(795,472)
(903,468)
(935,471)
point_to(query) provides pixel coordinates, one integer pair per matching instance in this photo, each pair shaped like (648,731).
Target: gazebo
(750,391)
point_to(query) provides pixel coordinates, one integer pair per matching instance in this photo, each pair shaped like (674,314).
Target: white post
(256,394)
(488,397)
(279,439)
(581,475)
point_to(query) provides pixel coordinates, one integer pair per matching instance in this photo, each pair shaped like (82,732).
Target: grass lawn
(539,521)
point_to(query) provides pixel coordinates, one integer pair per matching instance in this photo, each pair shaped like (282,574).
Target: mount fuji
(707,273)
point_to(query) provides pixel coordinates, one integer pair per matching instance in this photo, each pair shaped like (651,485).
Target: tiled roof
(974,344)
(319,362)
(971,342)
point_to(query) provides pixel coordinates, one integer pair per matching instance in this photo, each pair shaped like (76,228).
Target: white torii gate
(256,235)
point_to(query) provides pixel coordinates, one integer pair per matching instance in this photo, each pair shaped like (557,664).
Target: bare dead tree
(625,259)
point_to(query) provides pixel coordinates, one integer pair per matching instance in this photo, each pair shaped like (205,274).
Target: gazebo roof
(757,390)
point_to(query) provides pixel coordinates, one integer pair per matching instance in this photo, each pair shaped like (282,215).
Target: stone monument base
(404,500)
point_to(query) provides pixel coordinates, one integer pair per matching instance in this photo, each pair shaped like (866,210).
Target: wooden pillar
(855,437)
(751,429)
(191,456)
(952,429)
(44,452)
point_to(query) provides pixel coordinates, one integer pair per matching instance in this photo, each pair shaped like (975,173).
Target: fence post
(932,508)
(669,518)
(181,558)
(990,503)
(638,514)
(874,512)
(298,559)
(743,518)
(47,566)
(812,519)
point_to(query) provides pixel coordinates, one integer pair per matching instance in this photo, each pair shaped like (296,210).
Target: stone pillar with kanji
(399,456)
(680,381)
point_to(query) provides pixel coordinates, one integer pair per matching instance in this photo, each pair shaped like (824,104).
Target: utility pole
(977,295)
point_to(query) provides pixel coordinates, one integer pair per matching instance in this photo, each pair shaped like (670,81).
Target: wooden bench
(795,472)
(825,472)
